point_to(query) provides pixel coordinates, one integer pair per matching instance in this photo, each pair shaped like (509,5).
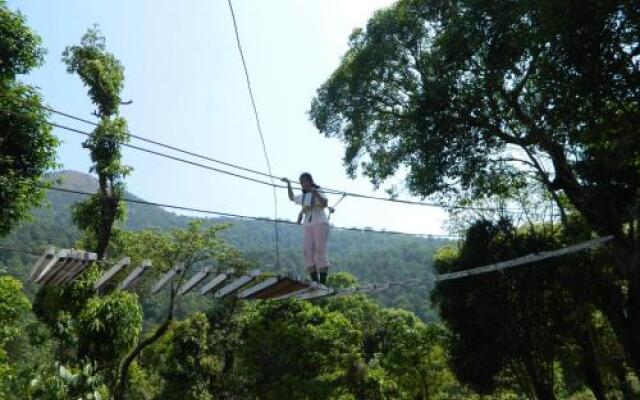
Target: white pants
(314,247)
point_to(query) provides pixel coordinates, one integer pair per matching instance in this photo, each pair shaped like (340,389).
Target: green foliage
(61,383)
(87,214)
(412,353)
(227,322)
(104,76)
(191,246)
(189,363)
(13,304)
(59,306)
(278,333)
(98,69)
(20,47)
(109,327)
(106,150)
(510,328)
(442,88)
(342,280)
(399,353)
(143,384)
(370,382)
(27,147)
(492,100)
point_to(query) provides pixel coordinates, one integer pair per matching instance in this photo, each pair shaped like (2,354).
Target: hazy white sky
(184,75)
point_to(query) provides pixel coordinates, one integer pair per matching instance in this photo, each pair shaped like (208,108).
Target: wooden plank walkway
(57,267)
(274,287)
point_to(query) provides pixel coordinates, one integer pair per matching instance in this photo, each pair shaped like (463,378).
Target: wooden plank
(267,283)
(315,293)
(74,262)
(44,259)
(51,265)
(88,258)
(236,285)
(58,268)
(273,288)
(194,281)
(112,272)
(289,286)
(215,283)
(311,286)
(48,265)
(80,260)
(133,277)
(293,294)
(166,278)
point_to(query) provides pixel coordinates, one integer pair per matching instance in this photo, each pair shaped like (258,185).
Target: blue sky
(184,75)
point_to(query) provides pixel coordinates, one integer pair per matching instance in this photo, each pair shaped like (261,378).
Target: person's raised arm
(289,189)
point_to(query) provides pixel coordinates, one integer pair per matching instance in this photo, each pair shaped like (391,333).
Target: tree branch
(123,373)
(544,177)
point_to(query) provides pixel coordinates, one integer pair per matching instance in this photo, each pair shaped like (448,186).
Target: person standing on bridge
(316,226)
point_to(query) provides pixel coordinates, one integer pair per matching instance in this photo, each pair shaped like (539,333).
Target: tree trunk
(590,366)
(633,319)
(543,390)
(605,219)
(623,311)
(108,206)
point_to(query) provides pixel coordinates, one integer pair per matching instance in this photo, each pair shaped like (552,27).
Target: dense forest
(518,117)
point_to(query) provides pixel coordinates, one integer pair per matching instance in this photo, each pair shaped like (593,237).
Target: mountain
(371,257)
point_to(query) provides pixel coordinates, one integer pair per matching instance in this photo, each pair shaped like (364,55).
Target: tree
(104,76)
(400,356)
(414,356)
(189,364)
(57,382)
(108,328)
(27,146)
(342,280)
(460,92)
(13,304)
(58,308)
(297,350)
(191,248)
(227,322)
(518,323)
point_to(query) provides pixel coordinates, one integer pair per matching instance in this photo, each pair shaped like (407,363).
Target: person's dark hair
(307,176)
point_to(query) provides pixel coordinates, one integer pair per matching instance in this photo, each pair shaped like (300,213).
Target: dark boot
(323,277)
(314,276)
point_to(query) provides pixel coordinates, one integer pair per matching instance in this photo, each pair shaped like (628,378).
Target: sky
(183,73)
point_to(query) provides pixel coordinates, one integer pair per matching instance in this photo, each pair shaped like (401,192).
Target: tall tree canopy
(444,87)
(462,92)
(27,147)
(103,74)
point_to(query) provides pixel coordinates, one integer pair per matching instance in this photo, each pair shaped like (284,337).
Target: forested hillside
(520,118)
(371,257)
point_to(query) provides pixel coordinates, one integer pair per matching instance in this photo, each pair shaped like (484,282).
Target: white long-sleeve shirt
(316,215)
